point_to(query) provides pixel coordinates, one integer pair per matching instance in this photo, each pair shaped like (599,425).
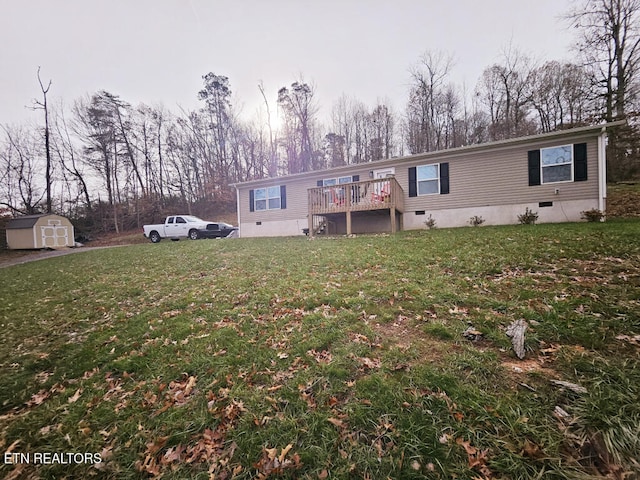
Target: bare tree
(424,114)
(359,134)
(342,124)
(383,127)
(505,91)
(44,106)
(300,111)
(609,43)
(334,150)
(96,126)
(19,164)
(560,95)
(217,96)
(65,150)
(272,165)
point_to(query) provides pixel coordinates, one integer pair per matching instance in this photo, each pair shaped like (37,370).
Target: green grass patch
(331,358)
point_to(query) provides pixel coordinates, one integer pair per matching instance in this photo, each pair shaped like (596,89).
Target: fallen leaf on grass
(334,421)
(635,340)
(273,464)
(531,450)
(74,398)
(323,356)
(16,472)
(106,454)
(12,446)
(306,393)
(477,458)
(459,310)
(178,393)
(370,363)
(42,377)
(38,398)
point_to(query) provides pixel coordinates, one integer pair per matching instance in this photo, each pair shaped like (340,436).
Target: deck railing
(378,194)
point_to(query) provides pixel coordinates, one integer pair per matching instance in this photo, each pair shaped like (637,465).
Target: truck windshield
(191,219)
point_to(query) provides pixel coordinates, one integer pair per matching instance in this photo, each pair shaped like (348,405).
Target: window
(330,182)
(557,164)
(428,178)
(565,163)
(268,198)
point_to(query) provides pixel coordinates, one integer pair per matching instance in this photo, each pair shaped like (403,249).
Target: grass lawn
(366,357)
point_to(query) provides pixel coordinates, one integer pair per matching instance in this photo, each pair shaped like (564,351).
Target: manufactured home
(558,175)
(39,231)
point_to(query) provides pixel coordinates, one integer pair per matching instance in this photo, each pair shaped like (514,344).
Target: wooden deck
(369,195)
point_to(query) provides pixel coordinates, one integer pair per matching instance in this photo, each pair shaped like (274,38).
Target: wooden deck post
(392,213)
(347,195)
(310,217)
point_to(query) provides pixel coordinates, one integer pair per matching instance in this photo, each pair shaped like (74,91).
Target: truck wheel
(155,237)
(193,234)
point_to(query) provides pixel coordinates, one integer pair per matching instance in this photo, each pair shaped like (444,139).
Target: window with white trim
(267,198)
(556,164)
(428,179)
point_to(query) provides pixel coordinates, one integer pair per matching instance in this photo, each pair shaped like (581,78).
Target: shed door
(54,235)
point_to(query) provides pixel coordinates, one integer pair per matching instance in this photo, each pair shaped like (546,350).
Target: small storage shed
(39,231)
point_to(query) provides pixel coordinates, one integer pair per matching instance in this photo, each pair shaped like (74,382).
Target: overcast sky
(156,51)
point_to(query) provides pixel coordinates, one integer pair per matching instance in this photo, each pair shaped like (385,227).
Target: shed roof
(26,221)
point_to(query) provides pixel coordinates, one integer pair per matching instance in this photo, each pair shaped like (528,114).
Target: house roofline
(445,153)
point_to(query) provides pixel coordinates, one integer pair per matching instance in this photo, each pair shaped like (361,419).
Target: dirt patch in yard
(623,200)
(405,334)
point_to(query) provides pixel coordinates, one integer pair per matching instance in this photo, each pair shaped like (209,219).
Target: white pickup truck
(186,226)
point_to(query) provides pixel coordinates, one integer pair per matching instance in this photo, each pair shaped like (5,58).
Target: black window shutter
(444,178)
(283,197)
(580,162)
(413,183)
(534,167)
(251,200)
(319,183)
(355,178)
